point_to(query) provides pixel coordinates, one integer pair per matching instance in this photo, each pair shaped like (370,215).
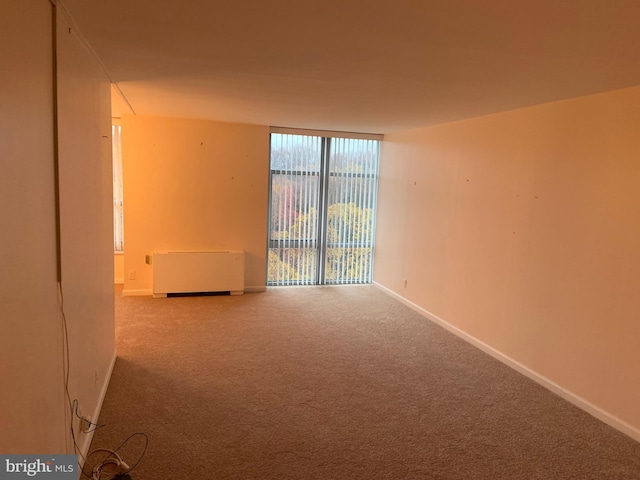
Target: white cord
(119,466)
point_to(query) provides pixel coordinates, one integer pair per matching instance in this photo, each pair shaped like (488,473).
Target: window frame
(118,186)
(321,243)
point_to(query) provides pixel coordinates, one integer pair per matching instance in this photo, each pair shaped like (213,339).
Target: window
(118,213)
(322,208)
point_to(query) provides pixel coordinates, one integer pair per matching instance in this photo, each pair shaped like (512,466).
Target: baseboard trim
(571,397)
(137,293)
(87,438)
(255,289)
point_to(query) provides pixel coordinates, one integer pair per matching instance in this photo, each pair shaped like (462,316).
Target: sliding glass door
(322,209)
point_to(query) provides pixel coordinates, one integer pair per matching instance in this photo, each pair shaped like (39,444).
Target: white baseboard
(137,293)
(85,443)
(255,289)
(571,397)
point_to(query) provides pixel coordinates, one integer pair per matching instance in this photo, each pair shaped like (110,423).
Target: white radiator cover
(198,272)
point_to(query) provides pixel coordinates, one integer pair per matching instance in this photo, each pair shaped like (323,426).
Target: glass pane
(350,215)
(295,153)
(295,198)
(118,211)
(292,266)
(313,197)
(355,156)
(348,265)
(294,207)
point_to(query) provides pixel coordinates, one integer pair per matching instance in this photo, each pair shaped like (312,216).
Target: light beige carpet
(334,383)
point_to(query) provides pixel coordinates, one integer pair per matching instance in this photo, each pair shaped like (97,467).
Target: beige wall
(86,221)
(522,230)
(118,268)
(193,185)
(33,407)
(31,401)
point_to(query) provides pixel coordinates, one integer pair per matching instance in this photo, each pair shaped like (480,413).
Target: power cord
(113,466)
(66,367)
(95,426)
(119,467)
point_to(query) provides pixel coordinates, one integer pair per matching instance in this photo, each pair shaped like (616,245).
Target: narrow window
(322,209)
(118,212)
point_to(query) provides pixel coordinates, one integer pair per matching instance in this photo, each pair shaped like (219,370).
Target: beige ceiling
(358,65)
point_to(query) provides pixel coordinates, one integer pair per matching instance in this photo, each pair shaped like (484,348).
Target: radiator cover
(198,272)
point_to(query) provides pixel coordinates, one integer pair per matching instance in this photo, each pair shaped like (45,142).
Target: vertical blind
(296,163)
(322,209)
(118,213)
(352,188)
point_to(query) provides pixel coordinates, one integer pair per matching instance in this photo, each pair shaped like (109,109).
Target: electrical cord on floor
(113,466)
(121,469)
(116,465)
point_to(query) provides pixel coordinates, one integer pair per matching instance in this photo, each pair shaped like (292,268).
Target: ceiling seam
(85,43)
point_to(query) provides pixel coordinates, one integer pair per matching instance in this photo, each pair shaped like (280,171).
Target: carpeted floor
(333,383)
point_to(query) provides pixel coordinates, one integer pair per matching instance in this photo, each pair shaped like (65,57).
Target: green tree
(349,231)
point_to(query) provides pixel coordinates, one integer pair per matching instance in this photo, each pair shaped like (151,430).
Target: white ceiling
(358,65)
